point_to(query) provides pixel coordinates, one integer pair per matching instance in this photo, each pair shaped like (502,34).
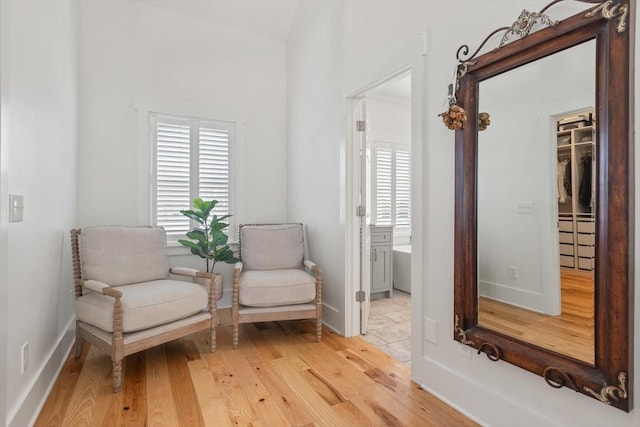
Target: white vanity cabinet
(382,260)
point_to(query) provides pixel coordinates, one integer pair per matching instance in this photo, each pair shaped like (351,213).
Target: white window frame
(394,147)
(146,158)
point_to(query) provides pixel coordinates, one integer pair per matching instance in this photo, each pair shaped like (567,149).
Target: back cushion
(123,255)
(272,247)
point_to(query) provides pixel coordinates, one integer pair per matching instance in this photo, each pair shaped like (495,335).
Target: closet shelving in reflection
(576,139)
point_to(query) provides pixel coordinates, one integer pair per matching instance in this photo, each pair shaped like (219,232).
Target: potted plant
(209,241)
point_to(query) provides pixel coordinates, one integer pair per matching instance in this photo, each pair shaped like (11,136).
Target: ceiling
(268,18)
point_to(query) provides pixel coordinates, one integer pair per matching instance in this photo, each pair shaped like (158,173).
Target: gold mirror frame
(610,23)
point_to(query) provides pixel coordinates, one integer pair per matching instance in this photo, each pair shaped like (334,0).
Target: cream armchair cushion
(272,247)
(124,255)
(270,288)
(144,305)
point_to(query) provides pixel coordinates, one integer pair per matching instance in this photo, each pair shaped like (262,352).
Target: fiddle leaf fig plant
(208,241)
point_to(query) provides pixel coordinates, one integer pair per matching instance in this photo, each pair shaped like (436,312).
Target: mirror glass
(536,202)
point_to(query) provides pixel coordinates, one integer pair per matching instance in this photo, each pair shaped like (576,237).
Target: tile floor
(390,326)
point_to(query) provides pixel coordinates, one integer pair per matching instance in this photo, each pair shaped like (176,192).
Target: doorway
(385,138)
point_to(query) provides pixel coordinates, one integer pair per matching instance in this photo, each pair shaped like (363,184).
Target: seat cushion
(123,255)
(276,287)
(272,247)
(144,305)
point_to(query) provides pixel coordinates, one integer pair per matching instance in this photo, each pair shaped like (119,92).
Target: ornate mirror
(544,208)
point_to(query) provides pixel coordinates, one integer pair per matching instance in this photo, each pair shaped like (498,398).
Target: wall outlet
(513,273)
(25,358)
(524,207)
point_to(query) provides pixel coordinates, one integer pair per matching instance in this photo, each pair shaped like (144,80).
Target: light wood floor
(279,376)
(571,333)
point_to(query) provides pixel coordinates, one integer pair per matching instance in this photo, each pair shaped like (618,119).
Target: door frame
(411,58)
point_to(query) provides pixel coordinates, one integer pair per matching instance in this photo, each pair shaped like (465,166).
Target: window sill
(176,249)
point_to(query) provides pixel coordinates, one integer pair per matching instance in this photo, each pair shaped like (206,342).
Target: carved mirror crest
(544,207)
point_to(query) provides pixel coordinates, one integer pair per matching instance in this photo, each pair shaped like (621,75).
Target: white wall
(389,121)
(38,64)
(316,144)
(498,394)
(133,51)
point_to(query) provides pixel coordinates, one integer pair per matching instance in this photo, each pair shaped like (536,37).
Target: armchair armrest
(238,266)
(183,271)
(102,288)
(311,265)
(191,272)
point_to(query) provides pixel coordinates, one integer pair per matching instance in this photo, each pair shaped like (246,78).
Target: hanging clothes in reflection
(585,190)
(564,170)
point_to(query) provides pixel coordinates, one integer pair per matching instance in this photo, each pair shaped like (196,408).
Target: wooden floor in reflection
(571,333)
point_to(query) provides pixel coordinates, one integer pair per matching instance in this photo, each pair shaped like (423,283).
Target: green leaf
(198,203)
(196,248)
(218,227)
(196,216)
(198,235)
(226,255)
(219,238)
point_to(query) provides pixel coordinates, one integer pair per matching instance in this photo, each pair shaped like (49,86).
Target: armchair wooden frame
(251,314)
(118,344)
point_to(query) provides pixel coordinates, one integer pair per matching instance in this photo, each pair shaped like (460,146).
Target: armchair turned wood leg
(318,329)
(212,339)
(235,336)
(79,342)
(117,375)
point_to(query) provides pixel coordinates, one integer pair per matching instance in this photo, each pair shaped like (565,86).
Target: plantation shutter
(403,189)
(384,186)
(214,166)
(192,159)
(173,153)
(392,181)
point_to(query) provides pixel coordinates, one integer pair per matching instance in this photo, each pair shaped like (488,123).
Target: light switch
(524,207)
(16,208)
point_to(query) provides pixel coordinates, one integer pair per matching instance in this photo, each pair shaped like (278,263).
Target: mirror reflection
(536,202)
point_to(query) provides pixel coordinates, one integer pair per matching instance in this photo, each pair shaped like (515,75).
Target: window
(192,159)
(392,186)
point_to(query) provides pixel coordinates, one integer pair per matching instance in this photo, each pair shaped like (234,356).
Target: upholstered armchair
(127,297)
(275,280)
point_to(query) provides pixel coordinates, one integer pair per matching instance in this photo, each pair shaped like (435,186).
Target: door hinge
(361,125)
(361,210)
(360,296)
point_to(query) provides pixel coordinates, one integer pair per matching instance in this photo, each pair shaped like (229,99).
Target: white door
(364,210)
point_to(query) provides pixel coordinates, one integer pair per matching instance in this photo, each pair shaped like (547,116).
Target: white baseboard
(30,404)
(331,317)
(475,400)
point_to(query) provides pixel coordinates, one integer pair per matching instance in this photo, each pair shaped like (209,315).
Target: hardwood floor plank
(185,397)
(238,406)
(134,390)
(306,394)
(161,406)
(214,411)
(96,367)
(352,415)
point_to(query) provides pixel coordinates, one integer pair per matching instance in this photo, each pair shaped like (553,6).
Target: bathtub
(402,268)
